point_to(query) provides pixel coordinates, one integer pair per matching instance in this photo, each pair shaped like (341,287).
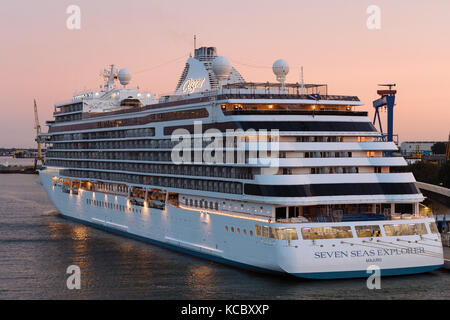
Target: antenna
(281,69)
(109,76)
(221,67)
(302,82)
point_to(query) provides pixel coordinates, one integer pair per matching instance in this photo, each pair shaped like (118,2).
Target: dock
(17,169)
(446,258)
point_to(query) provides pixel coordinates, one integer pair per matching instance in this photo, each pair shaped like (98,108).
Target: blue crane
(387,100)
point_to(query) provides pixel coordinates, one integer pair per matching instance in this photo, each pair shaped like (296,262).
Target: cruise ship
(278,177)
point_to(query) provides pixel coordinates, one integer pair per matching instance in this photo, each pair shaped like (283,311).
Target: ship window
(326,233)
(226,228)
(273,233)
(196,203)
(238,230)
(245,231)
(433,227)
(405,229)
(258,230)
(251,233)
(265,232)
(288,234)
(232,229)
(368,231)
(216,206)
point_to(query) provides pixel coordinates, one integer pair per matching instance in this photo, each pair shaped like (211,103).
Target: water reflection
(199,279)
(37,245)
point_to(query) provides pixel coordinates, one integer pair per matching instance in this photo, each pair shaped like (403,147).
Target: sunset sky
(42,59)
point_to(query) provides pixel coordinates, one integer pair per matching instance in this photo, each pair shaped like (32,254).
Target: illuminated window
(326,233)
(265,232)
(405,229)
(433,227)
(232,229)
(368,231)
(288,234)
(273,234)
(245,232)
(226,228)
(258,230)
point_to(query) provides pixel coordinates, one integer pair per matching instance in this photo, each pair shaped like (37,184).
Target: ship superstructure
(269,176)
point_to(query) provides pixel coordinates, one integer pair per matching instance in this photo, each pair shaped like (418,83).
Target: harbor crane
(37,126)
(387,100)
(447,151)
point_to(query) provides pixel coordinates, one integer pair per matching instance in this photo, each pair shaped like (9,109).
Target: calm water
(37,245)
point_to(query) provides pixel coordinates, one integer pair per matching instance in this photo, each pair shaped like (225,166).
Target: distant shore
(17,165)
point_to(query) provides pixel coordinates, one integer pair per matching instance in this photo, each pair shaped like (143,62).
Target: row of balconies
(181,183)
(133,155)
(187,170)
(113,134)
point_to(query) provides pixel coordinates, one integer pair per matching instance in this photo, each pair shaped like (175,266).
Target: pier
(17,169)
(446,258)
(10,164)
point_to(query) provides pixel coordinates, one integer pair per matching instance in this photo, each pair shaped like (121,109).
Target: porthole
(238,230)
(226,228)
(232,229)
(245,232)
(251,233)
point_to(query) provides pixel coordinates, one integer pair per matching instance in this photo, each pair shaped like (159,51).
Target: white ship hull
(204,234)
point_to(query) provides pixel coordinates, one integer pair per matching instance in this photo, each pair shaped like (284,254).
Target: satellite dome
(280,68)
(124,76)
(221,67)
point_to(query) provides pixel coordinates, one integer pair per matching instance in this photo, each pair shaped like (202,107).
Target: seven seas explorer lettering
(368,253)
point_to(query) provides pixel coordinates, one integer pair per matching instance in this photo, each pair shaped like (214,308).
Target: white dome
(280,68)
(124,76)
(221,67)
